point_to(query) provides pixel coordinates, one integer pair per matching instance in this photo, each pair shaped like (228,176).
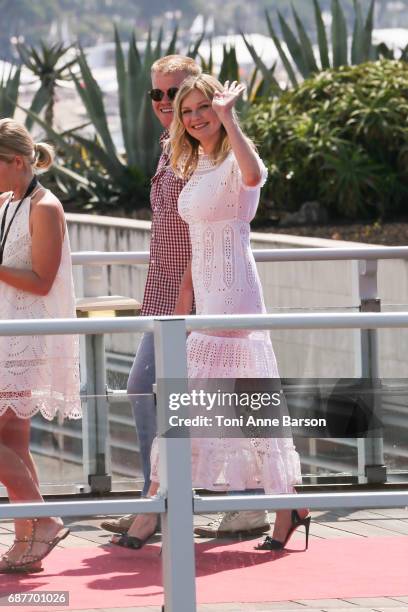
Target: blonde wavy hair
(181,146)
(15,139)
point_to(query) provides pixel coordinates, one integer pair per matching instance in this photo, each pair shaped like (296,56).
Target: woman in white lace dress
(218,203)
(37,373)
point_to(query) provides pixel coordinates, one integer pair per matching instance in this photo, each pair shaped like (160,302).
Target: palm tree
(49,66)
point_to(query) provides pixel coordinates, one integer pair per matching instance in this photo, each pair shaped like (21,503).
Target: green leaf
(25,56)
(234,67)
(321,37)
(383,51)
(282,54)
(404,54)
(136,87)
(172,46)
(229,67)
(112,164)
(339,35)
(92,97)
(211,59)
(135,52)
(193,50)
(147,144)
(148,53)
(294,47)
(39,101)
(9,87)
(157,51)
(368,49)
(306,46)
(357,46)
(74,176)
(262,90)
(122,88)
(251,84)
(266,73)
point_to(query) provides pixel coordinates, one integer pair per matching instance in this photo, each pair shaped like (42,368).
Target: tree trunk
(49,111)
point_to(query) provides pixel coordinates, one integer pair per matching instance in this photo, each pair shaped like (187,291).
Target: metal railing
(365,268)
(175,501)
(97,258)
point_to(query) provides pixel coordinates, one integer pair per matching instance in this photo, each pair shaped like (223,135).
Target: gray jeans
(141,378)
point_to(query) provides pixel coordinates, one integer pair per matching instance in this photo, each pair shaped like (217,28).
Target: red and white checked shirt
(170,247)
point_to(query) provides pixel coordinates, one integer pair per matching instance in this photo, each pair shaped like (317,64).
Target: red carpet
(104,577)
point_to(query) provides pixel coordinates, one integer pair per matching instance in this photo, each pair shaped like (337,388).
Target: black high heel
(271,544)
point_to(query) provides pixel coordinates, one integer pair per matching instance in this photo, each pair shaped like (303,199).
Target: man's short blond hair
(176,63)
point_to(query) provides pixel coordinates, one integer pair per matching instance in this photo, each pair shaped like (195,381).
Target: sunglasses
(158,94)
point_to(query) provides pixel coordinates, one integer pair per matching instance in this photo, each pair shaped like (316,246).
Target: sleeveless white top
(218,208)
(37,373)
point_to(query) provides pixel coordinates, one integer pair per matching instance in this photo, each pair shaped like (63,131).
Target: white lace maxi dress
(37,373)
(218,208)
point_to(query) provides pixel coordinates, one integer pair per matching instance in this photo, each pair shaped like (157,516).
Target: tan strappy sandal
(14,567)
(27,562)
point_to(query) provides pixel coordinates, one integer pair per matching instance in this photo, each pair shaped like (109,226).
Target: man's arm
(184,302)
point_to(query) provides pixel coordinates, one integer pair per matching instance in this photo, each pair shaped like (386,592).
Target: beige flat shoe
(120,525)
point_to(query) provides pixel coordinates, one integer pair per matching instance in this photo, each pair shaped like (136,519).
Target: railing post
(175,473)
(371,468)
(96,447)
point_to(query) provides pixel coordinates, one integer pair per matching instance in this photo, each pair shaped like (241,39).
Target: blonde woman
(221,197)
(37,373)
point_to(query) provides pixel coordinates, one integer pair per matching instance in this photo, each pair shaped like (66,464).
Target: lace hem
(236,465)
(25,407)
(231,464)
(211,356)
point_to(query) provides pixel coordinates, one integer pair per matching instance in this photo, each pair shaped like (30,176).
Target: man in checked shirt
(170,252)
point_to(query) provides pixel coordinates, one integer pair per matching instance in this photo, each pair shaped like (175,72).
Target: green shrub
(341,138)
(301,58)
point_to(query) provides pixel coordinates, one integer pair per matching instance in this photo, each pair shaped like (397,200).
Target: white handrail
(321,501)
(93,258)
(29,327)
(83,507)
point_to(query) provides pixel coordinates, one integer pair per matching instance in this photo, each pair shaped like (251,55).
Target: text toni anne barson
(220,420)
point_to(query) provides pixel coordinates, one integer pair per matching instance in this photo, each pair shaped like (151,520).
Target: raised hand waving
(224,101)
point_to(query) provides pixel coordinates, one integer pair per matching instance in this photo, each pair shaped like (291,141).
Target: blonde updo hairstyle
(15,139)
(184,148)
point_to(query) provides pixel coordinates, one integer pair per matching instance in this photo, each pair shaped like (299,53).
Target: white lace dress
(218,208)
(37,373)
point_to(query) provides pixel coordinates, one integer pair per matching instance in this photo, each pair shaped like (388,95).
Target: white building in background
(395,38)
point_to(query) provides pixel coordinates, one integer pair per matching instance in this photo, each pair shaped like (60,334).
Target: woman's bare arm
(47,234)
(248,162)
